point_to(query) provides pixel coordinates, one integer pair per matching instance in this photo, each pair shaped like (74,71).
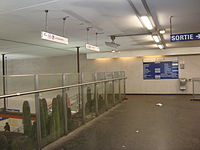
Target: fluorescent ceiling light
(147,22)
(162,31)
(113,51)
(156,38)
(161,46)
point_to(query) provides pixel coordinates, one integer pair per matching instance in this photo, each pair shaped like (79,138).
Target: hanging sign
(54,38)
(92,47)
(185,37)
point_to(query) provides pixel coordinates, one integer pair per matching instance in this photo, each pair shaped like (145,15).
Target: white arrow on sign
(198,36)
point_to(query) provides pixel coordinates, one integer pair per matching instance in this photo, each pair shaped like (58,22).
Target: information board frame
(161,70)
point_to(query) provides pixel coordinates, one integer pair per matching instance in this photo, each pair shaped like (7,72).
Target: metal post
(6,83)
(78,59)
(37,107)
(78,71)
(82,98)
(4,79)
(95,96)
(120,97)
(105,92)
(193,87)
(124,88)
(113,84)
(171,32)
(64,104)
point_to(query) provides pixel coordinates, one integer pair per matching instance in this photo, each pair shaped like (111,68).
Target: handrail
(57,88)
(47,74)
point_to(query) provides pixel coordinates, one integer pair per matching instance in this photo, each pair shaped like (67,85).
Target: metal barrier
(94,96)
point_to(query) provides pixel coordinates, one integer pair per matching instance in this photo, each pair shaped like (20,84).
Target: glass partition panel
(49,81)
(109,89)
(122,84)
(51,116)
(51,106)
(74,104)
(100,76)
(74,108)
(87,77)
(90,104)
(20,112)
(18,84)
(72,78)
(116,87)
(101,98)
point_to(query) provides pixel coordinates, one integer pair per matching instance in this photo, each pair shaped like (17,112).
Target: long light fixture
(161,46)
(162,31)
(156,38)
(113,51)
(147,22)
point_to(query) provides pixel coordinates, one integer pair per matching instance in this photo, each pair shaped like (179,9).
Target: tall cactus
(55,122)
(3,142)
(27,119)
(61,111)
(44,117)
(89,104)
(34,131)
(89,94)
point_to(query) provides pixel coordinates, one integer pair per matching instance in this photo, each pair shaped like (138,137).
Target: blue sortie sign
(185,37)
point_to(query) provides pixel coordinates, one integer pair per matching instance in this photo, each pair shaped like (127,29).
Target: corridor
(138,124)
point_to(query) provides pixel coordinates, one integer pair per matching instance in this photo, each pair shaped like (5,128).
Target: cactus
(101,103)
(3,142)
(90,105)
(61,111)
(27,119)
(89,94)
(22,143)
(34,131)
(55,122)
(44,117)
(69,113)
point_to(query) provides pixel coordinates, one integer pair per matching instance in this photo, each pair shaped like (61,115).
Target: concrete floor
(174,126)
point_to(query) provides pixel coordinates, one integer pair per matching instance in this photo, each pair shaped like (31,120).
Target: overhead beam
(142,53)
(137,13)
(136,34)
(156,29)
(32,44)
(156,24)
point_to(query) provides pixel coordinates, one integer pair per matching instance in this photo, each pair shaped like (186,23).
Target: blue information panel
(161,70)
(185,37)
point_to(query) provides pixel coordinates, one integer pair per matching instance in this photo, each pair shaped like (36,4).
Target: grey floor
(140,125)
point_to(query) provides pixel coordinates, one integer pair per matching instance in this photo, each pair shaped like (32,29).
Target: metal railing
(118,80)
(56,88)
